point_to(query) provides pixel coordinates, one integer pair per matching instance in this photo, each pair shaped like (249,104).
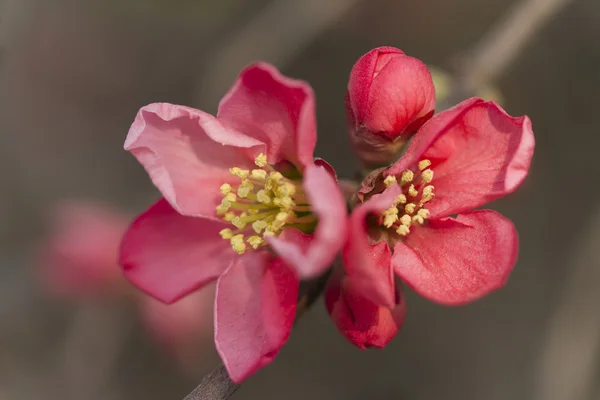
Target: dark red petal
(254,311)
(274,109)
(168,255)
(478,153)
(456,261)
(364,323)
(366,263)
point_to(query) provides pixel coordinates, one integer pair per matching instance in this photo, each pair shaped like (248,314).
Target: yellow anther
(226,233)
(237,242)
(239,222)
(412,191)
(244,189)
(286,189)
(241,173)
(390,180)
(223,207)
(229,216)
(255,241)
(269,232)
(427,194)
(262,197)
(403,230)
(253,211)
(406,220)
(407,176)
(390,216)
(418,219)
(286,202)
(401,199)
(424,164)
(423,212)
(282,216)
(272,180)
(258,226)
(410,208)
(225,188)
(231,197)
(259,174)
(260,160)
(427,176)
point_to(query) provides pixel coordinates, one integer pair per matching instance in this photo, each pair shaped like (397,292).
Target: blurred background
(73,73)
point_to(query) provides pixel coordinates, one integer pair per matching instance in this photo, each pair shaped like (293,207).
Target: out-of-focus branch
(217,385)
(501,45)
(277,34)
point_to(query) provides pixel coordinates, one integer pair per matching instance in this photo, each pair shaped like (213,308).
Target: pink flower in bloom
(244,204)
(78,261)
(416,220)
(390,95)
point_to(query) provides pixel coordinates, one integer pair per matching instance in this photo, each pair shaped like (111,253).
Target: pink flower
(417,219)
(244,204)
(78,261)
(390,95)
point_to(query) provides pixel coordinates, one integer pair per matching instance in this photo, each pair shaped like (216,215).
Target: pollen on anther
(258,226)
(427,176)
(424,164)
(245,187)
(240,173)
(231,197)
(255,241)
(225,188)
(226,233)
(259,174)
(406,220)
(237,242)
(427,193)
(418,219)
(403,230)
(410,208)
(262,197)
(423,212)
(412,191)
(238,222)
(390,216)
(407,176)
(229,216)
(401,199)
(390,180)
(260,160)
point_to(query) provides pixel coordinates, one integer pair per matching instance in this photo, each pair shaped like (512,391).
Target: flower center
(262,204)
(409,207)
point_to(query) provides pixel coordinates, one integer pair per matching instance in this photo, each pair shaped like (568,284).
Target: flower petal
(187,154)
(456,261)
(168,255)
(311,255)
(369,264)
(478,153)
(254,311)
(274,109)
(364,323)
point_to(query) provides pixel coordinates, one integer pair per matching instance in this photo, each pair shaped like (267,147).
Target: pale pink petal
(312,255)
(168,255)
(364,323)
(79,256)
(478,153)
(254,312)
(274,109)
(456,261)
(366,263)
(187,154)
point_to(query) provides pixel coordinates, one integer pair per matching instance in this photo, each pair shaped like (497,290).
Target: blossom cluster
(246,204)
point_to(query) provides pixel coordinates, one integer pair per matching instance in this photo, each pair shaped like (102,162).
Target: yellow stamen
(255,241)
(225,188)
(390,180)
(244,189)
(241,173)
(423,212)
(410,208)
(407,176)
(390,216)
(418,219)
(237,242)
(231,197)
(258,226)
(226,233)
(427,194)
(229,216)
(262,197)
(424,164)
(259,174)
(402,230)
(260,160)
(405,220)
(412,191)
(401,199)
(273,179)
(427,176)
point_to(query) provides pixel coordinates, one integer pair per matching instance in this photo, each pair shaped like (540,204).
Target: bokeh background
(73,73)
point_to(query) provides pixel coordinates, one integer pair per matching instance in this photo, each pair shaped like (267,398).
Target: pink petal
(254,312)
(364,323)
(274,109)
(187,154)
(478,153)
(79,257)
(368,264)
(168,255)
(456,261)
(312,255)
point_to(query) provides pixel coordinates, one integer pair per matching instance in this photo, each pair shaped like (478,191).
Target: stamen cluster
(409,207)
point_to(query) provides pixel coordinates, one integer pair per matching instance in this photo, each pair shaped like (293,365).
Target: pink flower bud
(390,95)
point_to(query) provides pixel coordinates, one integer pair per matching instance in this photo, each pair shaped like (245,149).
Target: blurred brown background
(73,74)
